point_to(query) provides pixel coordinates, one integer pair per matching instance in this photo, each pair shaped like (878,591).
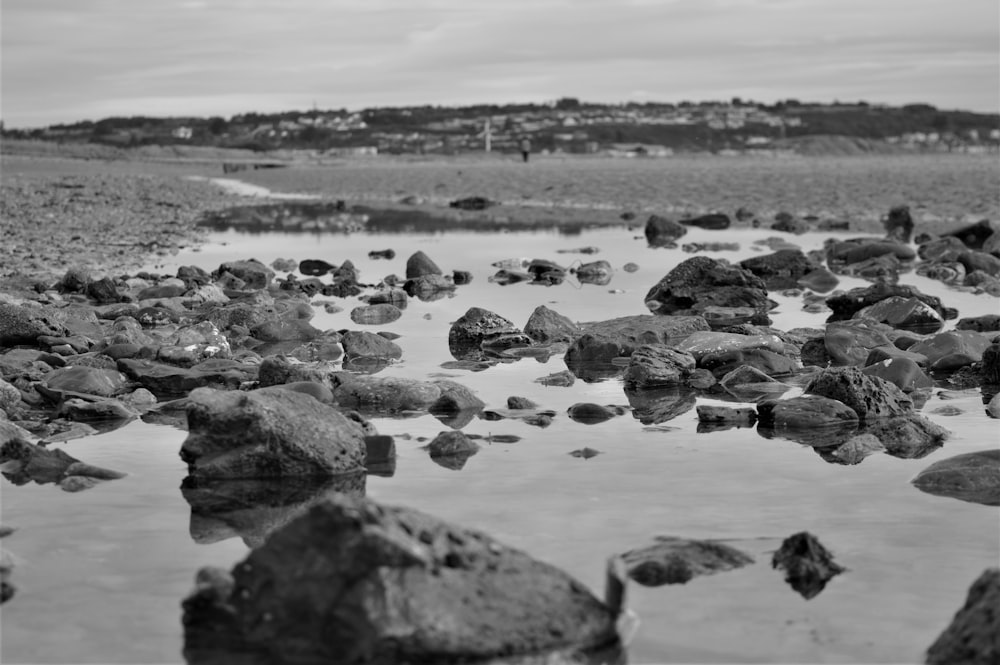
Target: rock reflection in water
(652,407)
(252,508)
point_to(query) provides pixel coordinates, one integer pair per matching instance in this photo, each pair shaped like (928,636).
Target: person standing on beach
(525,148)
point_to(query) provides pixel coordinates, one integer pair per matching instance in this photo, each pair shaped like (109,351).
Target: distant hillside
(568,125)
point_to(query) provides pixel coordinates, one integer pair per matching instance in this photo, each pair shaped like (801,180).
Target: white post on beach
(486,131)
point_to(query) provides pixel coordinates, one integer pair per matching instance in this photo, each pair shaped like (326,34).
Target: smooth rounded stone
(383,394)
(385,584)
(672,560)
(547,326)
(474,328)
(563,379)
(255,274)
(455,398)
(267,434)
(363,344)
(993,407)
(390,296)
(805,412)
(782,269)
(808,565)
(139,398)
(973,477)
(700,379)
(768,362)
(169,381)
(375,314)
(91,410)
(284,330)
(591,414)
(870,397)
(90,471)
(850,343)
(315,267)
(902,372)
(594,272)
(285,265)
(984,323)
(708,413)
(653,406)
(973,636)
(630,267)
(715,221)
(661,231)
(909,436)
(23,324)
(749,377)
(857,448)
(701,344)
(724,317)
(452,442)
(981,262)
(161,292)
(856,250)
(87,380)
(819,280)
(953,349)
(903,313)
(701,282)
(420,265)
(657,365)
(123,350)
(880,354)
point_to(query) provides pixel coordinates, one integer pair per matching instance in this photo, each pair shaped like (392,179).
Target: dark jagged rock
(315,267)
(701,282)
(268,434)
(782,269)
(472,203)
(169,381)
(474,328)
(990,369)
(908,436)
(870,397)
(807,564)
(846,304)
(25,462)
(355,582)
(656,365)
(973,477)
(973,636)
(547,326)
(255,274)
(452,444)
(672,560)
(716,221)
(854,450)
(744,416)
(421,265)
(661,231)
(364,344)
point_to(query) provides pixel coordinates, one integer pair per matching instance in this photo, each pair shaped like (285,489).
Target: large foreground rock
(351,581)
(973,477)
(268,434)
(973,638)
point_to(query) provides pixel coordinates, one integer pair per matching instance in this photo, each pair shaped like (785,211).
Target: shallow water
(101,573)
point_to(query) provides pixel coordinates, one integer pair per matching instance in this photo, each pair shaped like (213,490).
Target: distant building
(183,133)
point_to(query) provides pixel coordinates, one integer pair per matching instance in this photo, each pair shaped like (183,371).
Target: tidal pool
(101,574)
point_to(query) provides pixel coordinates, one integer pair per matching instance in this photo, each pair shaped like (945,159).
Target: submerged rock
(973,477)
(973,636)
(807,564)
(352,581)
(672,560)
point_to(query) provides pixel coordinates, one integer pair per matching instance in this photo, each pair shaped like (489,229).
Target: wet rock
(807,564)
(700,282)
(467,335)
(857,250)
(742,417)
(844,305)
(700,379)
(390,296)
(255,274)
(782,269)
(278,370)
(265,434)
(713,221)
(547,326)
(285,330)
(805,412)
(563,379)
(819,280)
(850,343)
(89,380)
(457,404)
(657,365)
(855,449)
(993,407)
(591,414)
(908,436)
(881,354)
(769,363)
(375,314)
(904,314)
(594,272)
(354,581)
(421,265)
(975,235)
(452,444)
(899,224)
(363,344)
(658,405)
(315,267)
(904,373)
(584,453)
(948,351)
(169,381)
(984,323)
(87,410)
(980,262)
(472,203)
(661,231)
(870,397)
(383,394)
(704,343)
(973,477)
(973,636)
(23,324)
(672,560)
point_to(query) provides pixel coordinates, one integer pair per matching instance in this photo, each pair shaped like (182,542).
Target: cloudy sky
(69,60)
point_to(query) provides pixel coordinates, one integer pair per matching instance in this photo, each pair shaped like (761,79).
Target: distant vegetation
(567,125)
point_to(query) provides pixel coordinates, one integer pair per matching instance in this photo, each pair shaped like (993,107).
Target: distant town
(566,125)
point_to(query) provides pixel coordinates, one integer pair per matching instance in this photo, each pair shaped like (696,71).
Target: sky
(64,61)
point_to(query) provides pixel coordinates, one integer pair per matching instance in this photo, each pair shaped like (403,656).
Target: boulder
(904,314)
(768,362)
(904,373)
(857,250)
(870,397)
(372,394)
(984,323)
(844,305)
(279,369)
(819,280)
(255,274)
(851,342)
(546,326)
(899,224)
(421,265)
(474,328)
(974,236)
(805,412)
(807,564)
(953,349)
(743,416)
(357,582)
(87,380)
(661,231)
(364,344)
(268,434)
(700,282)
(855,449)
(973,477)
(782,269)
(23,324)
(908,436)
(657,365)
(169,381)
(591,414)
(452,443)
(672,560)
(973,636)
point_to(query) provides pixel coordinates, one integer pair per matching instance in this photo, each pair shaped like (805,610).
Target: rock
(372,394)
(377,584)
(315,267)
(973,636)
(86,410)
(782,269)
(984,323)
(844,305)
(855,449)
(279,370)
(807,564)
(472,203)
(805,412)
(899,224)
(672,560)
(653,406)
(953,349)
(713,222)
(591,414)
(819,280)
(390,296)
(10,397)
(743,417)
(24,462)
(584,453)
(904,314)
(657,365)
(704,343)
(563,379)
(980,262)
(857,250)
(255,274)
(87,380)
(169,381)
(904,373)
(768,362)
(870,397)
(103,291)
(363,344)
(993,407)
(661,231)
(23,324)
(266,434)
(908,436)
(546,326)
(975,235)
(318,391)
(421,265)
(457,404)
(700,282)
(375,314)
(477,326)
(452,443)
(429,287)
(973,477)
(594,272)
(284,330)
(850,343)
